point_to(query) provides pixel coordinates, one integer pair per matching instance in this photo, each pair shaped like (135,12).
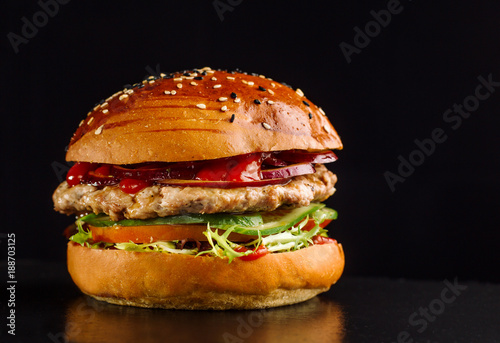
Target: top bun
(200,115)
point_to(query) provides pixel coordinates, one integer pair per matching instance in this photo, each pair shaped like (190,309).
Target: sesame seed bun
(199,115)
(174,281)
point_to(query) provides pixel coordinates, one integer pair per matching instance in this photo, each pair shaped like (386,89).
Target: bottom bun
(171,281)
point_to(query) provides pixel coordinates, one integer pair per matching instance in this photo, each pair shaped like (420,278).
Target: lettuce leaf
(159,246)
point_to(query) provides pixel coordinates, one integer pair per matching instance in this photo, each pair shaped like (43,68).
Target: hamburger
(202,189)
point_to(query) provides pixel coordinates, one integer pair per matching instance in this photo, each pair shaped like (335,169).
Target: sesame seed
(129,92)
(206,68)
(210,71)
(266,126)
(104,105)
(273,85)
(95,108)
(213,78)
(326,128)
(270,102)
(322,112)
(178,79)
(250,83)
(202,106)
(140,86)
(223,108)
(222,98)
(299,92)
(99,130)
(179,85)
(306,103)
(257,101)
(166,92)
(151,81)
(189,77)
(229,77)
(232,118)
(163,74)
(123,96)
(245,82)
(233,95)
(90,120)
(270,91)
(186,74)
(105,111)
(173,92)
(83,121)
(237,100)
(262,88)
(310,115)
(217,86)
(262,76)
(193,83)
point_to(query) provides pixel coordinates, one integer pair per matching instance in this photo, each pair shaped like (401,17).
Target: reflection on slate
(319,320)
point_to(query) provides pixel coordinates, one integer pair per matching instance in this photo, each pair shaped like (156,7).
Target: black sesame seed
(127,86)
(102,101)
(135,85)
(232,118)
(198,78)
(186,74)
(204,73)
(257,101)
(305,103)
(233,95)
(286,84)
(310,115)
(141,85)
(262,88)
(255,74)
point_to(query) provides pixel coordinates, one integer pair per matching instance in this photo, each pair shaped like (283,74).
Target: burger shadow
(317,320)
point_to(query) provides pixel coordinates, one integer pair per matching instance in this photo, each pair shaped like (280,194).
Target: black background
(441,222)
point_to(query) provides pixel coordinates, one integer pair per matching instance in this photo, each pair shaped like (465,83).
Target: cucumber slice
(215,220)
(279,220)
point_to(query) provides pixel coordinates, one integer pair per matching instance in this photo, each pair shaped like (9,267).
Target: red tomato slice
(310,224)
(153,233)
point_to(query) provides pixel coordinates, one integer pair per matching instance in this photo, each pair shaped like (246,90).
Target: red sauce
(318,240)
(260,252)
(132,186)
(238,168)
(78,171)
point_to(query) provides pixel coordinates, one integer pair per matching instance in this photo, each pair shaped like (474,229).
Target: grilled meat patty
(161,201)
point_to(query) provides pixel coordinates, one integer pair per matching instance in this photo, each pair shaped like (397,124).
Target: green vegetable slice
(280,220)
(215,219)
